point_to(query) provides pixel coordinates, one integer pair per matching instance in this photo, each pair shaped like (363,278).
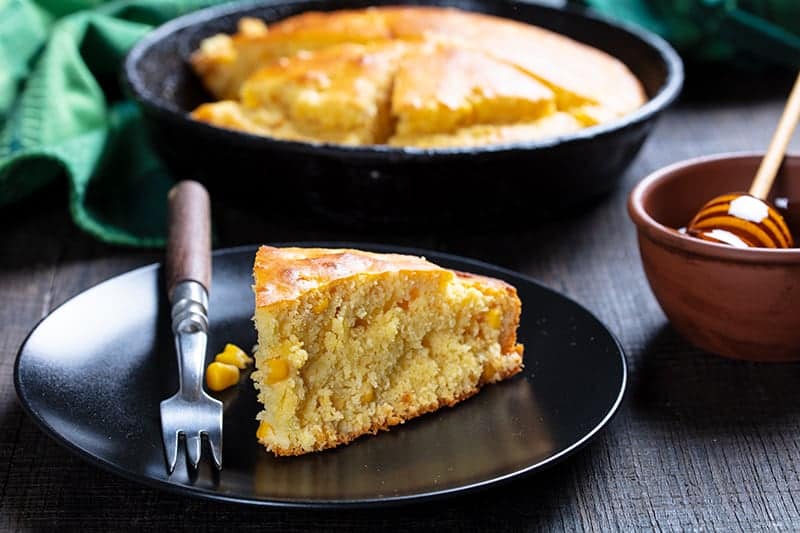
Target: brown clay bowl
(740,303)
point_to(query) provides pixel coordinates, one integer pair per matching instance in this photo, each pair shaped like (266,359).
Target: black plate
(93,372)
(396,185)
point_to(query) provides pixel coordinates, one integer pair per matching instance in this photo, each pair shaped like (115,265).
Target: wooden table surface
(700,443)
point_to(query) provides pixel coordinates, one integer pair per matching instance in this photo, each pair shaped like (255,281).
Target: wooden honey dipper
(747,220)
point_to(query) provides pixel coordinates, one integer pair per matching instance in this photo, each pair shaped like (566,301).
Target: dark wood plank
(701,443)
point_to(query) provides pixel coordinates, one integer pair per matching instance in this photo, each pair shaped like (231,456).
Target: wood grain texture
(701,443)
(189,236)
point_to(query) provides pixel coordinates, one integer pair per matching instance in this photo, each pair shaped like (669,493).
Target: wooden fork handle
(189,236)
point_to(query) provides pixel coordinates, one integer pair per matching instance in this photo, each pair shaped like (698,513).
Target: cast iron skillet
(400,185)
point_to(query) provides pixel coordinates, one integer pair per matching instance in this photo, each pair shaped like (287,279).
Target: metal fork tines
(191,411)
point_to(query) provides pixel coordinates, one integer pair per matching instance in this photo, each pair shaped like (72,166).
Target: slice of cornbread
(340,92)
(224,62)
(578,74)
(352,342)
(440,88)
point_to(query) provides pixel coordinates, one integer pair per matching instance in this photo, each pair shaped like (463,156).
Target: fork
(190,411)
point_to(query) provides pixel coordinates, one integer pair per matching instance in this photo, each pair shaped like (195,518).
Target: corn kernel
(220,376)
(489,372)
(263,430)
(233,355)
(368,396)
(278,370)
(321,305)
(338,403)
(493,318)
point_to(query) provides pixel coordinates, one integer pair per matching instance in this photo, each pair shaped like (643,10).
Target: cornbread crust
(572,78)
(558,123)
(283,274)
(289,279)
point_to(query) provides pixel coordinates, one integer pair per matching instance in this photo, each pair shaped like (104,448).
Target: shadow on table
(511,245)
(674,381)
(40,231)
(720,83)
(71,494)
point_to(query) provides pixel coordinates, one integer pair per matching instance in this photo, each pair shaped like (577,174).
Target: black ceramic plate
(92,375)
(382,184)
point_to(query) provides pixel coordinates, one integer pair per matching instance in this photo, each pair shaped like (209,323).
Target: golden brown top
(333,94)
(336,70)
(469,88)
(578,73)
(448,71)
(282,274)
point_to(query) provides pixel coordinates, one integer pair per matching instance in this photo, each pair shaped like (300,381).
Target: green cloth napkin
(748,33)
(62,114)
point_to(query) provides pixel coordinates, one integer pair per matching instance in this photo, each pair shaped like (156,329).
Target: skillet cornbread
(339,94)
(408,76)
(352,342)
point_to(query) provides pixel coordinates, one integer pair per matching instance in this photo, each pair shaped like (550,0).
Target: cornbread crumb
(352,342)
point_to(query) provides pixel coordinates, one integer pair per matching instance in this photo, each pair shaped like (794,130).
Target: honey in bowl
(742,221)
(746,220)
